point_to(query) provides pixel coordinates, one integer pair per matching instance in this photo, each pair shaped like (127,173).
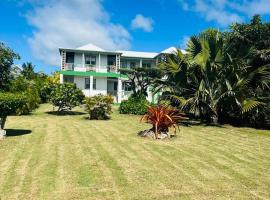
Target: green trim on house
(100,74)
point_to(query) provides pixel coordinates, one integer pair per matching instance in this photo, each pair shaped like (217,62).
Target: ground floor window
(115,85)
(127,87)
(68,79)
(94,84)
(87,83)
(146,65)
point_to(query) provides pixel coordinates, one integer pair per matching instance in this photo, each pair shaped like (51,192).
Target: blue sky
(36,28)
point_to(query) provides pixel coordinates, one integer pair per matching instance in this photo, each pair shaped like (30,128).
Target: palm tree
(28,70)
(207,79)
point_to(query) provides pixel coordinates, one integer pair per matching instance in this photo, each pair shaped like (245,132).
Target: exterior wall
(78,64)
(101,85)
(103,63)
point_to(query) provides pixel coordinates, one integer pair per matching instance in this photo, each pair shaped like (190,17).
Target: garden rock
(151,134)
(2,134)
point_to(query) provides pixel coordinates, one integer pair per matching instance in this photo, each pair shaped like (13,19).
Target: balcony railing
(90,68)
(112,68)
(68,66)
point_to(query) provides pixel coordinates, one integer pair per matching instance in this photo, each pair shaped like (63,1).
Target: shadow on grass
(63,113)
(17,132)
(199,123)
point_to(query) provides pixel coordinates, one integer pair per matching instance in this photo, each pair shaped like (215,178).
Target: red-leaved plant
(162,118)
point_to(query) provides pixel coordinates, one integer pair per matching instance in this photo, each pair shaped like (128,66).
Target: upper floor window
(90,60)
(69,57)
(111,59)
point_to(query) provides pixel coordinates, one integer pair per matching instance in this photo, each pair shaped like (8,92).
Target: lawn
(69,157)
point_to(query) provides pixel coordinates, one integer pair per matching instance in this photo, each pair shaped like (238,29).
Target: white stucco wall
(101,85)
(78,62)
(103,63)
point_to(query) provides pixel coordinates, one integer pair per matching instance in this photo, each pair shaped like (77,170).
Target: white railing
(68,66)
(87,67)
(90,68)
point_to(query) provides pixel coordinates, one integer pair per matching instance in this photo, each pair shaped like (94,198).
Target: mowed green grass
(69,157)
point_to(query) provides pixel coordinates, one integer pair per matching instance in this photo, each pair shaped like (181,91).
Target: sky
(35,29)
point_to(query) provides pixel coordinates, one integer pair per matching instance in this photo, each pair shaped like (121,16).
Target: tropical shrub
(99,106)
(45,92)
(162,118)
(136,105)
(9,105)
(66,96)
(30,91)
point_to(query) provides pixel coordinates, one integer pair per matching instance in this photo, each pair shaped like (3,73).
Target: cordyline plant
(163,117)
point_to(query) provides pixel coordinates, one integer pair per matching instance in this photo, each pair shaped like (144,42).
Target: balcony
(68,67)
(112,68)
(90,68)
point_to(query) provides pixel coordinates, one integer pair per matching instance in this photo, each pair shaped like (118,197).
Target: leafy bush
(32,101)
(45,92)
(136,105)
(66,96)
(9,104)
(30,91)
(162,118)
(99,106)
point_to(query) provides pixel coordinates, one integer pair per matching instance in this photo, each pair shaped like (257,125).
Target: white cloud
(183,42)
(61,23)
(141,22)
(225,12)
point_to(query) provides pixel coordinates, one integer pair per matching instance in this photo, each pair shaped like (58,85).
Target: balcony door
(70,57)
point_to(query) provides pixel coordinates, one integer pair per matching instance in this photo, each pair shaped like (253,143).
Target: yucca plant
(162,118)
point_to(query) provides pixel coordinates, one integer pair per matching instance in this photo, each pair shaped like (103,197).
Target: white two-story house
(95,70)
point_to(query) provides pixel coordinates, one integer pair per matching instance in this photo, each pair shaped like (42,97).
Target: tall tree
(208,81)
(141,78)
(253,37)
(28,71)
(7,57)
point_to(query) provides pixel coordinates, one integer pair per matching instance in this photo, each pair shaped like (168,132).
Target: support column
(99,62)
(119,91)
(91,86)
(61,78)
(83,60)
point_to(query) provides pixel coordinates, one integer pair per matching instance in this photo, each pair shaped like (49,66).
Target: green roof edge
(100,74)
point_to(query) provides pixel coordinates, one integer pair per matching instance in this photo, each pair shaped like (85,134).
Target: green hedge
(136,105)
(10,103)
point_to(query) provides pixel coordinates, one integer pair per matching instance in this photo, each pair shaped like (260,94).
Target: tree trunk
(156,132)
(2,125)
(2,122)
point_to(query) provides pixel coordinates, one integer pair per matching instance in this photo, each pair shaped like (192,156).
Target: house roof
(138,54)
(171,50)
(131,54)
(90,47)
